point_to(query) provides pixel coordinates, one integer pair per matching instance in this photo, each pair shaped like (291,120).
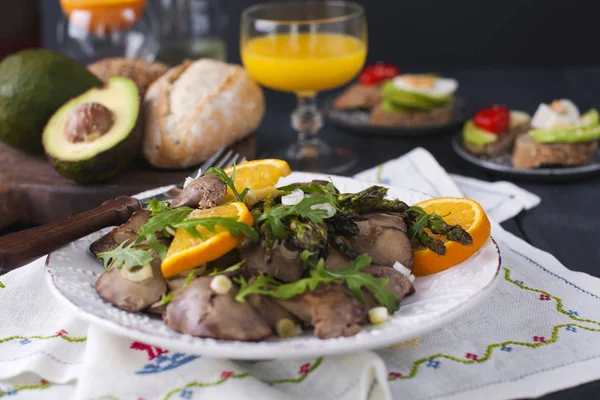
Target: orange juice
(304,62)
(100,16)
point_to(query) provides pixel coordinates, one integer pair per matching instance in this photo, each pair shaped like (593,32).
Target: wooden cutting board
(32,192)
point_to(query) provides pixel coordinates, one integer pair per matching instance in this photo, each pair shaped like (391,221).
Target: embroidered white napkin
(538,332)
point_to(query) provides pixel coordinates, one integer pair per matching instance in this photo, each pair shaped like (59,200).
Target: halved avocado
(94,136)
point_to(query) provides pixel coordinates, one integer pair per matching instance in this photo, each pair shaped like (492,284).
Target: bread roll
(196,108)
(142,72)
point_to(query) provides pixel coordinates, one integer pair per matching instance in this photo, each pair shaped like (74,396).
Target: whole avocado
(33,85)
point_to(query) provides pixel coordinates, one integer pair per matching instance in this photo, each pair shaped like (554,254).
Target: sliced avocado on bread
(33,85)
(94,136)
(586,131)
(564,147)
(413,100)
(481,142)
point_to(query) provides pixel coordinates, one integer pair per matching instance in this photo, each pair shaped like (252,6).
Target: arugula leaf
(232,225)
(328,191)
(275,217)
(231,268)
(158,248)
(352,275)
(421,221)
(356,279)
(128,257)
(166,298)
(162,217)
(229,181)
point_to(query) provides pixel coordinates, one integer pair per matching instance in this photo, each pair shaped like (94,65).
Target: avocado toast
(560,137)
(413,100)
(493,130)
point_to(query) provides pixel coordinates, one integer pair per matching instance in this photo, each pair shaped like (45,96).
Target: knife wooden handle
(20,248)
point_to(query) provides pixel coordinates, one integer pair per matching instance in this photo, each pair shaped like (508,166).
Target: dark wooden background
(437,33)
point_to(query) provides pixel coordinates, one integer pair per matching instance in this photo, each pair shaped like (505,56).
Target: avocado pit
(87,122)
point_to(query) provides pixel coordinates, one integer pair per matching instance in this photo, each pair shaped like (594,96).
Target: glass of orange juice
(305,48)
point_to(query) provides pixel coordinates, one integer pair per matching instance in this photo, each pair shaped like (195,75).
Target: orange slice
(464,212)
(257,175)
(103,16)
(187,252)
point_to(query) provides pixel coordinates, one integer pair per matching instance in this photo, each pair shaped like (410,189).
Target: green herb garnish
(231,268)
(229,181)
(422,221)
(314,188)
(166,298)
(125,256)
(232,225)
(162,217)
(275,217)
(352,275)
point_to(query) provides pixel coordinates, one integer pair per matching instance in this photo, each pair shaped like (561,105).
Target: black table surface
(564,224)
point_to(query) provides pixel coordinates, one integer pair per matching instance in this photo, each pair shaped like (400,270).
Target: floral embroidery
(432,363)
(304,371)
(15,389)
(507,346)
(226,374)
(25,341)
(161,359)
(394,375)
(186,394)
(63,335)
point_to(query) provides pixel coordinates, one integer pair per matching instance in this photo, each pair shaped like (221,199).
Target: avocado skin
(579,134)
(33,85)
(104,165)
(476,136)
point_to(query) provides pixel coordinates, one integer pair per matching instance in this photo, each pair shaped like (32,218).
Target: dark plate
(357,121)
(502,165)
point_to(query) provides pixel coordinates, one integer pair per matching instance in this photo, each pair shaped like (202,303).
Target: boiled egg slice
(559,114)
(426,84)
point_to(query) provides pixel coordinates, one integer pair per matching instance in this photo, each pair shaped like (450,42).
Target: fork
(20,248)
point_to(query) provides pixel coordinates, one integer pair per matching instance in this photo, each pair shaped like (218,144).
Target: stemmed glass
(305,48)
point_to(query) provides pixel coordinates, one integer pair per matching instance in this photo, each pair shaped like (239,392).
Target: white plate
(72,271)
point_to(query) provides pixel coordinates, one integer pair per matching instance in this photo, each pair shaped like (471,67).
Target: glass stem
(307,119)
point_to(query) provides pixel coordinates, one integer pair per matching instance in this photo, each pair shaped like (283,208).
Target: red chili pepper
(494,119)
(377,73)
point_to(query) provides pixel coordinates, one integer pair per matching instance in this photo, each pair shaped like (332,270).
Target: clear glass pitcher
(94,29)
(190,29)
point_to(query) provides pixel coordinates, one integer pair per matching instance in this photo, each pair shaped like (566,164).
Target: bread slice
(142,72)
(439,115)
(502,145)
(530,154)
(358,97)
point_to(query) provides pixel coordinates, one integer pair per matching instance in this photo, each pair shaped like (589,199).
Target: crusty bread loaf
(530,154)
(196,108)
(142,72)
